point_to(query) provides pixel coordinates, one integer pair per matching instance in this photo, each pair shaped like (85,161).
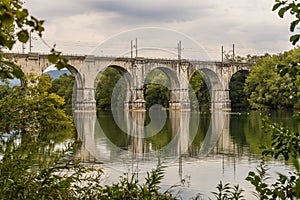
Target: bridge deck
(36,56)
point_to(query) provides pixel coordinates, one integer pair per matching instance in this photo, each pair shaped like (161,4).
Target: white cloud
(251,25)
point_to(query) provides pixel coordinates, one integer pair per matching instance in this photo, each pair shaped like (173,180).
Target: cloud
(149,10)
(251,25)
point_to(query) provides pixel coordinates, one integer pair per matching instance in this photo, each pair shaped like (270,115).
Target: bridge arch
(127,77)
(218,93)
(171,74)
(199,93)
(236,90)
(78,95)
(78,76)
(175,86)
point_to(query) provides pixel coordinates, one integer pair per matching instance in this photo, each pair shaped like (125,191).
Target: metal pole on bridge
(222,49)
(233,52)
(136,47)
(179,50)
(131,49)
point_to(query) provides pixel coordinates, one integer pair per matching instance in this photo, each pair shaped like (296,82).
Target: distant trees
(63,86)
(266,88)
(32,108)
(156,89)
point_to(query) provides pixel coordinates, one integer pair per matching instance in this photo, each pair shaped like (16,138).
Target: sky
(106,27)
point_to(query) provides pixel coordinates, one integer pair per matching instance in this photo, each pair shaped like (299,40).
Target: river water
(198,149)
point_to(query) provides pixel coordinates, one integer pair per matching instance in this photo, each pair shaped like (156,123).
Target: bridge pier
(85,100)
(138,102)
(220,100)
(179,100)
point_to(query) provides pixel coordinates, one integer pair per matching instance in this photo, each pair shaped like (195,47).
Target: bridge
(135,70)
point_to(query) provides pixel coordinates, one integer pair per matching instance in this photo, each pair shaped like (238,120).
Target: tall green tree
(201,97)
(265,88)
(105,85)
(237,95)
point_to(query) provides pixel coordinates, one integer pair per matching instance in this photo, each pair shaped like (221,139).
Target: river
(198,149)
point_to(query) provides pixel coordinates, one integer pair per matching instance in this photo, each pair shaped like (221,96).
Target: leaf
(297,188)
(281,12)
(17,72)
(23,36)
(53,58)
(283,71)
(280,66)
(294,24)
(294,39)
(276,6)
(296,164)
(9,43)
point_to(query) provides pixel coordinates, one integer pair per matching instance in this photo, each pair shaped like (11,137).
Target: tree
(105,85)
(157,89)
(293,68)
(265,88)
(200,91)
(63,87)
(236,91)
(32,108)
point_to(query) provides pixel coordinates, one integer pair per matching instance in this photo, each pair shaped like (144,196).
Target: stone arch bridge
(135,70)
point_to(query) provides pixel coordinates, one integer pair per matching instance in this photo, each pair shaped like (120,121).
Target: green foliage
(129,188)
(63,87)
(284,6)
(157,94)
(4,90)
(32,108)
(237,95)
(25,174)
(285,142)
(199,89)
(13,14)
(62,177)
(285,187)
(105,86)
(227,192)
(266,89)
(55,58)
(16,24)
(157,89)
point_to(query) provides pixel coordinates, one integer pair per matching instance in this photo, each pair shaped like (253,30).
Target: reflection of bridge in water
(184,128)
